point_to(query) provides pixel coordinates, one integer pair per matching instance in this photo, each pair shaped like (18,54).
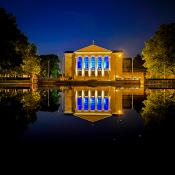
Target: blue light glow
(86,106)
(92,103)
(99,63)
(99,103)
(106,62)
(79,103)
(93,63)
(79,63)
(86,63)
(106,104)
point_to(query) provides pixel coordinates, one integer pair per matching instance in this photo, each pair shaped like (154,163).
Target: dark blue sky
(55,25)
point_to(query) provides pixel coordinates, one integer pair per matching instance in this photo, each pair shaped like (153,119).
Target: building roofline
(116,51)
(68,51)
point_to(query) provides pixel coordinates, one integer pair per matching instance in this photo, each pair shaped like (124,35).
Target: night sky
(56,26)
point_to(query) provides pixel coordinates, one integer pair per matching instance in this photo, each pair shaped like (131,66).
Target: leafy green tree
(12,42)
(31,62)
(50,66)
(159,51)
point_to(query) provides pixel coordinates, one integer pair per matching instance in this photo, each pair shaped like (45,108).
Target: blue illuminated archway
(79,63)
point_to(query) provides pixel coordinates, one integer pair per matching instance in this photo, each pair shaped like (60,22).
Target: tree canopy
(138,63)
(17,55)
(31,62)
(159,51)
(12,41)
(50,63)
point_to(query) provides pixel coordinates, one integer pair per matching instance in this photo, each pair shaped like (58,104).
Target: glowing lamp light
(119,112)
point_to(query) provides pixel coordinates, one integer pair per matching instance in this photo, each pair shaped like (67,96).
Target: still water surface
(88,115)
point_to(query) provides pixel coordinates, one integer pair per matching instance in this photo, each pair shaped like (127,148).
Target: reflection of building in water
(96,103)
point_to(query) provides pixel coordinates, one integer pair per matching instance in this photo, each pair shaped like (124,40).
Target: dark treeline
(18,56)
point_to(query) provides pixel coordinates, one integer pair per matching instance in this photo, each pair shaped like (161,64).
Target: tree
(138,63)
(50,63)
(159,51)
(31,62)
(12,42)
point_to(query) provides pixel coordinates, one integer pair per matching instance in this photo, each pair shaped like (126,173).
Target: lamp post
(48,68)
(132,65)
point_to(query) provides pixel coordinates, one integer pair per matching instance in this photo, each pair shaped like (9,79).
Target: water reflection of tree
(50,100)
(159,106)
(19,107)
(31,102)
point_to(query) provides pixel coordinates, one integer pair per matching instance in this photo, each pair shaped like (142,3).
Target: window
(79,63)
(86,103)
(92,63)
(79,103)
(106,62)
(99,63)
(86,63)
(92,103)
(106,104)
(99,103)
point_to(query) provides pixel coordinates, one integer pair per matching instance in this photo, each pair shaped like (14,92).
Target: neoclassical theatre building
(96,63)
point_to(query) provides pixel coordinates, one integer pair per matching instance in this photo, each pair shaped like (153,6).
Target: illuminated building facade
(93,63)
(96,63)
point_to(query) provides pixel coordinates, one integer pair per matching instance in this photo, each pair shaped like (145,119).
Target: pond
(82,115)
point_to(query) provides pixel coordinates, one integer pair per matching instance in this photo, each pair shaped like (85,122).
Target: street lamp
(48,68)
(132,65)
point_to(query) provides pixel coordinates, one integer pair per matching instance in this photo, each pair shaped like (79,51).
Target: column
(89,97)
(76,71)
(102,71)
(89,64)
(76,94)
(82,95)
(109,98)
(96,68)
(95,99)
(109,67)
(83,66)
(102,95)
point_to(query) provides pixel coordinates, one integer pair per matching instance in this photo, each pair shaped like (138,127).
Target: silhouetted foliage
(52,62)
(138,63)
(12,41)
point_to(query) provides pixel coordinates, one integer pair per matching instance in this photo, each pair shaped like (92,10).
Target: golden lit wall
(68,64)
(115,67)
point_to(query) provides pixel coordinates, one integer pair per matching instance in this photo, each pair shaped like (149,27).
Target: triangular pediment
(92,118)
(93,48)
